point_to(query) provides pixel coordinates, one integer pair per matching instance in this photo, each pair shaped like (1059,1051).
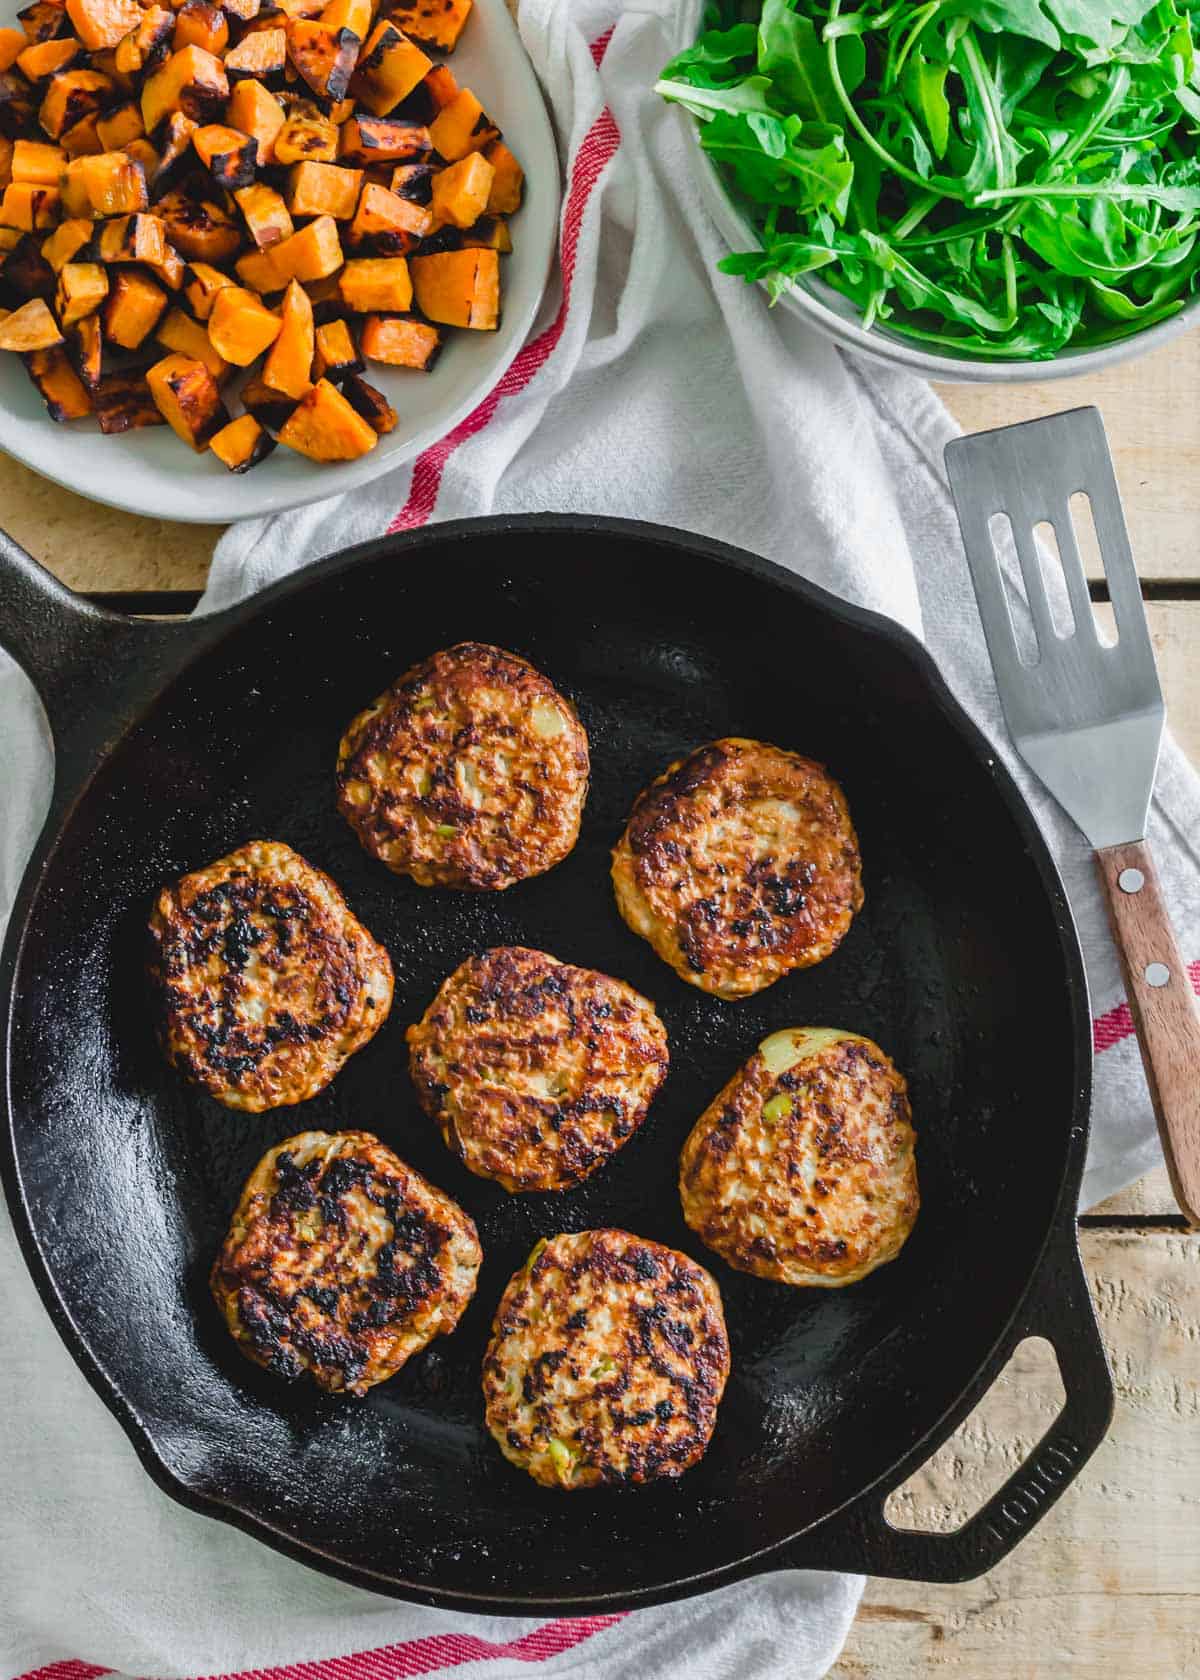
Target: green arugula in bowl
(1004,178)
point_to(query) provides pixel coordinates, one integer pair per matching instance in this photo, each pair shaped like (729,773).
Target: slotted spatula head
(1086,718)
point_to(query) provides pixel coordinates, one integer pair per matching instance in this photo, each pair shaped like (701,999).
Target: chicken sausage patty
(607,1361)
(265,982)
(536,1071)
(738,865)
(803,1168)
(471,771)
(342,1261)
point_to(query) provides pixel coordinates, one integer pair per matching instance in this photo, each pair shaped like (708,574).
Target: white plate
(153,472)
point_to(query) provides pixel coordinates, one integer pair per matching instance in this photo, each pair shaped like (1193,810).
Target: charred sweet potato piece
(137,238)
(269,408)
(199,24)
(66,241)
(334,355)
(459,288)
(460,191)
(389,68)
(201,285)
(141,151)
(354,15)
(36,162)
(306,135)
(114,183)
(200,229)
(414,182)
(27,206)
(324,427)
(230,158)
(366,140)
(288,366)
(186,395)
(191,81)
(462,126)
(255,111)
(134,306)
(102,23)
(17,103)
(508,180)
(265,214)
(431,23)
(174,151)
(241,444)
(240,326)
(260,56)
(393,225)
(44,20)
(118,127)
(27,274)
(324,57)
(44,58)
(82,288)
(86,342)
(83,138)
(177,331)
(369,283)
(326,299)
(489,233)
(70,96)
(31,327)
(323,189)
(147,43)
(374,407)
(401,341)
(123,403)
(311,253)
(61,387)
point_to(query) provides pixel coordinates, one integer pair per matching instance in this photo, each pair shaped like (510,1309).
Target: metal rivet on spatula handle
(1131,880)
(1156,974)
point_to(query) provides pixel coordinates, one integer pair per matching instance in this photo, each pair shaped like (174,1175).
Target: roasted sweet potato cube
(27,207)
(265,214)
(61,387)
(260,56)
(354,15)
(67,240)
(240,326)
(44,20)
(174,150)
(370,283)
(138,238)
(288,367)
(31,327)
(306,135)
(141,151)
(147,44)
(374,407)
(135,303)
(441,85)
(401,341)
(199,24)
(198,228)
(431,23)
(230,158)
(269,408)
(119,126)
(36,162)
(82,288)
(508,179)
(460,191)
(389,68)
(187,397)
(70,96)
(462,126)
(27,274)
(191,81)
(393,226)
(324,427)
(86,344)
(334,354)
(6,154)
(311,253)
(45,58)
(17,103)
(459,288)
(177,331)
(366,140)
(123,403)
(83,139)
(258,270)
(241,444)
(324,57)
(201,285)
(75,200)
(255,111)
(489,233)
(102,23)
(323,189)
(115,184)
(244,10)
(326,299)
(414,182)
(13,43)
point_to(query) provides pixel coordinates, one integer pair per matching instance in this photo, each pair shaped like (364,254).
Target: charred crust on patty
(342,1262)
(536,1071)
(264,981)
(607,1362)
(738,865)
(803,1169)
(470,771)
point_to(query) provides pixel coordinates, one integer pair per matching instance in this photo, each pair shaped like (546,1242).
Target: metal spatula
(1088,721)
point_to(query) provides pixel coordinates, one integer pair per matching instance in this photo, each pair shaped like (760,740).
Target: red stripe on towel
(1117,1024)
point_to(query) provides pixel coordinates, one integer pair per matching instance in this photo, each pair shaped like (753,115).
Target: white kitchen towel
(655,388)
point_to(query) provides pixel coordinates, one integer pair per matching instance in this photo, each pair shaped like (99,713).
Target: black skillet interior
(956,966)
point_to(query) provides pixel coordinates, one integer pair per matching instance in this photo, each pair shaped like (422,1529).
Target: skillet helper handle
(861,1539)
(1163,1005)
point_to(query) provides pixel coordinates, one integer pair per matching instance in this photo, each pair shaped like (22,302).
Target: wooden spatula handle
(1163,1006)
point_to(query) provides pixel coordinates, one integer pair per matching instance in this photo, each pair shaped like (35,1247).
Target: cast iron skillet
(177,742)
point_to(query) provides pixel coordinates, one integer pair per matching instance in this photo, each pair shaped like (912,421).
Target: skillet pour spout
(175,743)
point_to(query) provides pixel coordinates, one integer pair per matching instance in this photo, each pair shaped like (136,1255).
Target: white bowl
(153,473)
(834,315)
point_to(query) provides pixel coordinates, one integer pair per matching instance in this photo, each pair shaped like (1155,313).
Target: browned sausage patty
(265,981)
(471,771)
(342,1261)
(607,1361)
(803,1168)
(536,1071)
(738,865)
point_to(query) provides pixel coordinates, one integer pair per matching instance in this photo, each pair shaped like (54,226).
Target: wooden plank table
(1109,1584)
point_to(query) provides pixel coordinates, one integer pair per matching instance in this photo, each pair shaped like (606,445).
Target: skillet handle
(861,1539)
